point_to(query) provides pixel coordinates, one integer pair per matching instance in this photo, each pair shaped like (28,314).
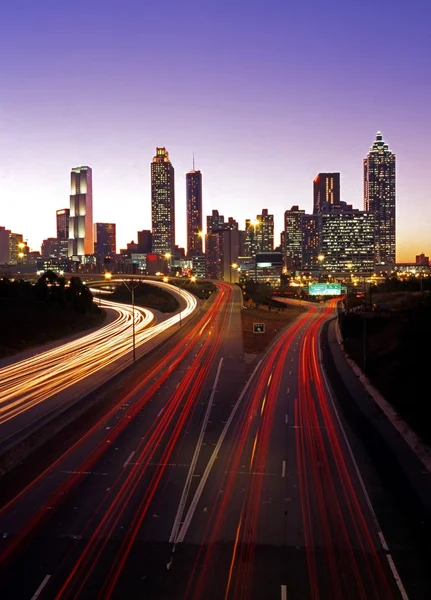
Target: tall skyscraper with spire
(81,212)
(194,211)
(379,198)
(162,202)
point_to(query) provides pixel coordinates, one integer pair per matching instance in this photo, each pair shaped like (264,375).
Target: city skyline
(255,148)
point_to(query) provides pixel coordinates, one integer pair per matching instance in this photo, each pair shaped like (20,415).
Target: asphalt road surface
(211,478)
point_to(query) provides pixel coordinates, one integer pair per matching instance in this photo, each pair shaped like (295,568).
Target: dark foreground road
(212,478)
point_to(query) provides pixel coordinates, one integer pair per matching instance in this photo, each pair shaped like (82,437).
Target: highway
(211,478)
(27,385)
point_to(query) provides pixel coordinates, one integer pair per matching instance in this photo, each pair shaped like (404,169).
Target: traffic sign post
(258,327)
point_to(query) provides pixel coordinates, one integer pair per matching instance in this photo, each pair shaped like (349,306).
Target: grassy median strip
(274,319)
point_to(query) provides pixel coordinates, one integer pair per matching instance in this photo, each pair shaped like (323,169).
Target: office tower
(379,198)
(264,232)
(259,234)
(310,241)
(241,242)
(106,240)
(326,188)
(347,240)
(293,238)
(81,240)
(230,225)
(250,242)
(50,248)
(215,222)
(162,203)
(62,219)
(213,252)
(145,241)
(222,255)
(194,212)
(422,260)
(4,246)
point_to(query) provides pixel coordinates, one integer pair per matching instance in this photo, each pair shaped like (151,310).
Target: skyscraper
(347,240)
(310,241)
(106,240)
(194,212)
(293,238)
(162,202)
(326,188)
(145,241)
(379,198)
(81,212)
(265,232)
(215,222)
(62,220)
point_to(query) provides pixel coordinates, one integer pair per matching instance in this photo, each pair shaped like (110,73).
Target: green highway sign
(258,327)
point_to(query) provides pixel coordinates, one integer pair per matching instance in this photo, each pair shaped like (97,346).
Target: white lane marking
(283,592)
(161,411)
(40,588)
(129,459)
(397,577)
(361,481)
(187,520)
(288,390)
(382,540)
(190,474)
(283,469)
(286,419)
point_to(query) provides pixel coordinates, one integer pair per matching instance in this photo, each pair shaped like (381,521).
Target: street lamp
(21,247)
(321,258)
(233,266)
(21,257)
(168,256)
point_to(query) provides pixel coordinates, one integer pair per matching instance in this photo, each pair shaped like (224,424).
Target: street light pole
(133,323)
(365,330)
(133,285)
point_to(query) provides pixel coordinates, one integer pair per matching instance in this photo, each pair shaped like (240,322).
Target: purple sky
(265,93)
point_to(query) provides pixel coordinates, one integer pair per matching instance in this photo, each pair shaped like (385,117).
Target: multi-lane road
(33,389)
(210,478)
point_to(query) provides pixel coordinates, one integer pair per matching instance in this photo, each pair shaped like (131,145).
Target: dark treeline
(36,313)
(50,289)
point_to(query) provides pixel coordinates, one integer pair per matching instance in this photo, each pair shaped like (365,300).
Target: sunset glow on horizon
(266,95)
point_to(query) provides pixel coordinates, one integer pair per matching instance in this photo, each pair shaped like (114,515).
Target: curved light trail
(29,382)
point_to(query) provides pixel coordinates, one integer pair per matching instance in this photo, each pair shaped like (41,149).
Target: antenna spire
(193,161)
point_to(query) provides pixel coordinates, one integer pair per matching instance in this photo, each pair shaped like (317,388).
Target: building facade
(62,222)
(310,241)
(264,232)
(379,198)
(106,240)
(347,241)
(145,241)
(81,239)
(293,245)
(194,212)
(4,246)
(259,234)
(215,222)
(162,203)
(326,188)
(222,259)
